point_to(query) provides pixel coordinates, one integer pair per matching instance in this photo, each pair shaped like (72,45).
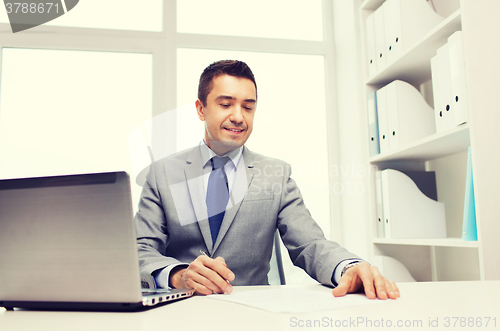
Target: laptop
(69,243)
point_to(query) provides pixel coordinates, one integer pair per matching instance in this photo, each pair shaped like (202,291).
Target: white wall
(353,152)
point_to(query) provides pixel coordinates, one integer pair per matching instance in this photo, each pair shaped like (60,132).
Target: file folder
(405,23)
(408,212)
(407,115)
(446,94)
(393,40)
(383,122)
(380,206)
(373,123)
(436,91)
(469,231)
(458,82)
(380,44)
(425,181)
(393,108)
(449,84)
(392,269)
(370,45)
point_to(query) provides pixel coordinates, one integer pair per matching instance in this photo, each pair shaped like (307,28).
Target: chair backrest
(276,275)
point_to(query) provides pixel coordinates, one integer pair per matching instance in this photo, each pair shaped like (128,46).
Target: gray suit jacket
(172,222)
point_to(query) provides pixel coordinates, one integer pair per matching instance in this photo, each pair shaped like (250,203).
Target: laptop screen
(68,239)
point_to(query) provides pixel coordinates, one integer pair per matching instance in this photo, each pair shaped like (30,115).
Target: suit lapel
(244,176)
(194,179)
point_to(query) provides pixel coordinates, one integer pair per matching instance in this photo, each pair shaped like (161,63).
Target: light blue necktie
(217,195)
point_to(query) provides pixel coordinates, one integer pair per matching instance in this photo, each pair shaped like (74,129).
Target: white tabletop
(447,305)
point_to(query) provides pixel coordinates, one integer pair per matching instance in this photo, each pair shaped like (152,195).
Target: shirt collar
(207,154)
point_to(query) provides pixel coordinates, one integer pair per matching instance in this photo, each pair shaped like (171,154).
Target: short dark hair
(224,67)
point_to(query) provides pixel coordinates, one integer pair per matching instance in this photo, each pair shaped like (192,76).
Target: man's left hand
(368,278)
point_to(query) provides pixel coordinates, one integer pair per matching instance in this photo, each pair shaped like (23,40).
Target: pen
(205,254)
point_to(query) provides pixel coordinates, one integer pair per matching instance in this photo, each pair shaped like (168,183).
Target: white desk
(419,303)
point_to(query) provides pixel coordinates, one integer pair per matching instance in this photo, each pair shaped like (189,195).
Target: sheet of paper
(290,300)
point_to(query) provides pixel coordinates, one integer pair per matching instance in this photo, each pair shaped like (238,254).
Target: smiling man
(208,215)
(228,112)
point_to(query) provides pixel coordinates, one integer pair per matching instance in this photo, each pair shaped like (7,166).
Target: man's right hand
(205,275)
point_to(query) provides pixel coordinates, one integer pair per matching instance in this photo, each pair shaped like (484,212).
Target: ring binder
(408,212)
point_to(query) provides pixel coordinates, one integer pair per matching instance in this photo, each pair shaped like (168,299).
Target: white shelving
(413,66)
(444,143)
(442,242)
(442,259)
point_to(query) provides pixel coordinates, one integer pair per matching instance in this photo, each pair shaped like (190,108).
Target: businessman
(207,216)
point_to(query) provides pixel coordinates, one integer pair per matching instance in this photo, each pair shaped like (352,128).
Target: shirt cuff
(337,273)
(162,276)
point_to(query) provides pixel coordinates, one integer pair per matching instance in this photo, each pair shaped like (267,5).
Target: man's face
(228,113)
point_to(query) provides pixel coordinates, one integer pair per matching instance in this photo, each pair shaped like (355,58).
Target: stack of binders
(407,205)
(395,27)
(397,116)
(449,84)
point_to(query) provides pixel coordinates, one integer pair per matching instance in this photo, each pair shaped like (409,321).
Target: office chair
(276,273)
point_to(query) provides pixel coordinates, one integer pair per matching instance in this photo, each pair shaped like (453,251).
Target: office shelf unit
(445,152)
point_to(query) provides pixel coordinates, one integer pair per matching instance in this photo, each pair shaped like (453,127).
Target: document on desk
(291,300)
